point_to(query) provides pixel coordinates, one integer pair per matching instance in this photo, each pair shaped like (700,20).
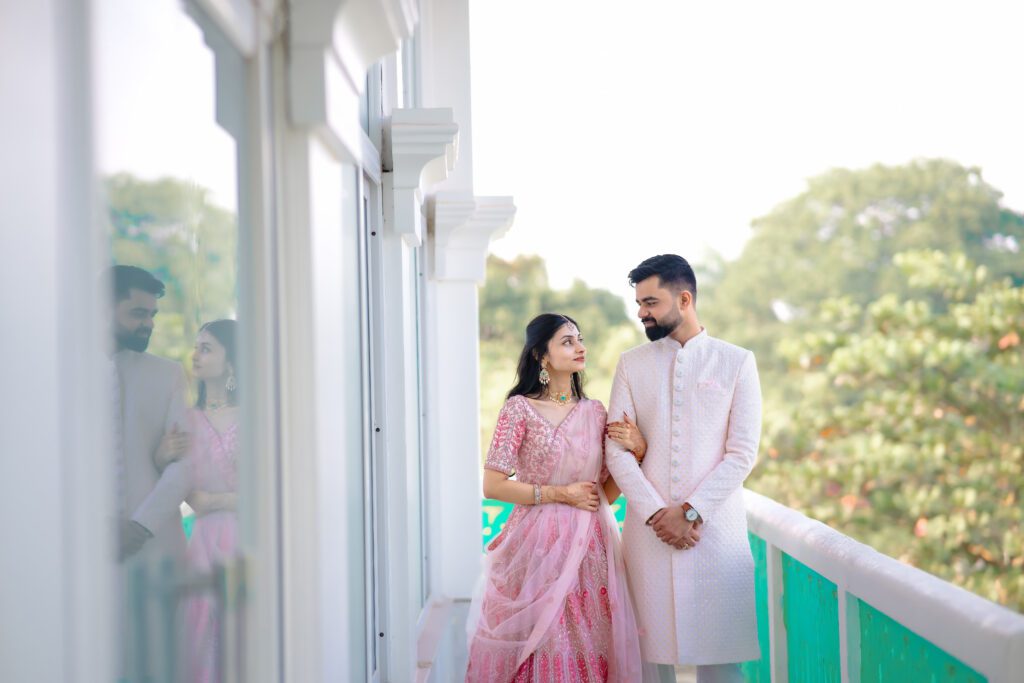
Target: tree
(907,433)
(171,228)
(514,292)
(838,238)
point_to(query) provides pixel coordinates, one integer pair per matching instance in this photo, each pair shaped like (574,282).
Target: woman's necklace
(213,406)
(562,398)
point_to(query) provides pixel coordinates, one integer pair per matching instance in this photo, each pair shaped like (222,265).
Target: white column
(463,227)
(444,49)
(56,466)
(419,150)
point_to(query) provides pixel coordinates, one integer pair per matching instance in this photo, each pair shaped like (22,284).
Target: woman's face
(566,352)
(209,358)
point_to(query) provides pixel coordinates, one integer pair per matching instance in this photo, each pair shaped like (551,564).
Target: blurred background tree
(886,309)
(514,293)
(173,229)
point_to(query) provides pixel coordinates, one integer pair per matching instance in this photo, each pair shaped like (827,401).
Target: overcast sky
(628,129)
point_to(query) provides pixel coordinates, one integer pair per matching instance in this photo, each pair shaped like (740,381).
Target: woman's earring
(544,376)
(230,385)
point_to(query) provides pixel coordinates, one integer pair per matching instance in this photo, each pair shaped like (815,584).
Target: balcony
(830,609)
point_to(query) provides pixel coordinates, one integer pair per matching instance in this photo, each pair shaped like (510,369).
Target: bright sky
(625,130)
(155,110)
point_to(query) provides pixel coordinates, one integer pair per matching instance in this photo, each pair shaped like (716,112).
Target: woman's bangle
(537,495)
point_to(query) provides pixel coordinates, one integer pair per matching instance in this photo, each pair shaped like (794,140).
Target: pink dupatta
(555,582)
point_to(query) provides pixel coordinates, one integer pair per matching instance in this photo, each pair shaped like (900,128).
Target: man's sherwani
(152,402)
(699,408)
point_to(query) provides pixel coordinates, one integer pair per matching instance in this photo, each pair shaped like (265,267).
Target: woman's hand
(628,435)
(204,502)
(173,445)
(581,495)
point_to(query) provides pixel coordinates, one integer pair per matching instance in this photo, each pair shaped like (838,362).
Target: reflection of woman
(555,605)
(213,468)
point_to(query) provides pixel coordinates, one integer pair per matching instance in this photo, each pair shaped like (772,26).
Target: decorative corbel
(420,148)
(331,45)
(463,227)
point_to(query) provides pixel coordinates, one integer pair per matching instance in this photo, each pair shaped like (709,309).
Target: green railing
(830,609)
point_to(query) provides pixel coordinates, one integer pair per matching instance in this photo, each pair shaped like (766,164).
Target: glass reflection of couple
(562,599)
(167,453)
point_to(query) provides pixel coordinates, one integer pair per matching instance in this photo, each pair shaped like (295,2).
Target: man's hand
(132,536)
(671,527)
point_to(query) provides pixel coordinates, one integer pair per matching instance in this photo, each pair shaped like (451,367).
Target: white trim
(464,226)
(420,148)
(237,19)
(987,637)
(777,637)
(333,43)
(851,663)
(56,484)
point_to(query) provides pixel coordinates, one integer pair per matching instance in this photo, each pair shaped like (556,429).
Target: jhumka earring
(544,376)
(230,385)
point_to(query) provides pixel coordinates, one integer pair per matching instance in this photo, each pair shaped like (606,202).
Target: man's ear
(685,299)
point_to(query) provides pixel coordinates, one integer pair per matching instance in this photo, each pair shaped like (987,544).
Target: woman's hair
(224,332)
(539,332)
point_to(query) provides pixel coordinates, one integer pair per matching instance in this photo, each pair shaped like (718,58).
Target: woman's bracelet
(537,495)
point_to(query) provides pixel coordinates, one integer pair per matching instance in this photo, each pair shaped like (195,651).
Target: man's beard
(661,330)
(133,341)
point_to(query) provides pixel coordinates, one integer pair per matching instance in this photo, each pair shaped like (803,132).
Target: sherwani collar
(694,342)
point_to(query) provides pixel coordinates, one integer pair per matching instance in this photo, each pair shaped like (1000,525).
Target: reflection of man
(151,404)
(697,401)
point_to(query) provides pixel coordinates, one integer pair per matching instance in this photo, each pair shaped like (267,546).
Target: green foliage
(886,309)
(839,238)
(171,228)
(907,430)
(516,291)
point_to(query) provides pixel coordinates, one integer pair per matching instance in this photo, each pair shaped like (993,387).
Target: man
(697,401)
(148,397)
(151,406)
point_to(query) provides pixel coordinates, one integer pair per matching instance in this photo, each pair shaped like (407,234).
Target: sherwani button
(675,496)
(675,432)
(676,417)
(675,462)
(679,401)
(675,477)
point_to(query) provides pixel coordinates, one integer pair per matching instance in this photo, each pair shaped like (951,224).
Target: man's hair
(673,273)
(120,280)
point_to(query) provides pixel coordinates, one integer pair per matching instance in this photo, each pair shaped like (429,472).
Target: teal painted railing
(830,609)
(838,610)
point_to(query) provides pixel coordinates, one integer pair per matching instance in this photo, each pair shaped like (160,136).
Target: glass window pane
(168,174)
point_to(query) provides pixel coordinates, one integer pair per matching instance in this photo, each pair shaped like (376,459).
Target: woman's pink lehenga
(214,542)
(555,604)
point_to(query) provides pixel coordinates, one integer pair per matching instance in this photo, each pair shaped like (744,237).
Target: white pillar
(419,150)
(56,465)
(463,228)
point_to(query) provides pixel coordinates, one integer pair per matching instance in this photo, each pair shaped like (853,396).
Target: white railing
(981,634)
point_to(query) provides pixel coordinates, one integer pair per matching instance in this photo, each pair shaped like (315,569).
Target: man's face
(133,320)
(658,308)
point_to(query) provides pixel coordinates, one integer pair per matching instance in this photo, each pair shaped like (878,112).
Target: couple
(165,454)
(562,601)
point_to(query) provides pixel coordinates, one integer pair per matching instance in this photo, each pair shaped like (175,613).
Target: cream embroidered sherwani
(699,408)
(152,402)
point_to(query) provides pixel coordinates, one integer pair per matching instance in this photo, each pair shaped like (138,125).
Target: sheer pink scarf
(530,572)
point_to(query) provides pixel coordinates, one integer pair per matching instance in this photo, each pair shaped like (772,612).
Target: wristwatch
(690,513)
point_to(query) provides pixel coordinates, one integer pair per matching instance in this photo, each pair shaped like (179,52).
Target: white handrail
(983,635)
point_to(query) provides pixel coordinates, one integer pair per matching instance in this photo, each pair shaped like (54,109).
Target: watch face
(691,515)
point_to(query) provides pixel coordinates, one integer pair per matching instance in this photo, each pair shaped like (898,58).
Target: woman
(213,468)
(555,605)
